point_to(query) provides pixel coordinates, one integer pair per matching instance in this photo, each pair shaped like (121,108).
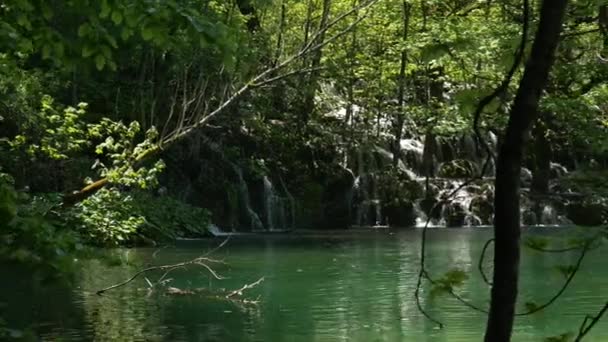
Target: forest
(304,126)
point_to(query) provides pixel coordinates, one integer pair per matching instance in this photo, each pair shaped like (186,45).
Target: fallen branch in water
(235,297)
(239,292)
(200,261)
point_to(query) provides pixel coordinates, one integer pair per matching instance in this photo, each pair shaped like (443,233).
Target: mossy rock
(483,208)
(429,204)
(457,168)
(529,218)
(456,215)
(401,215)
(587,213)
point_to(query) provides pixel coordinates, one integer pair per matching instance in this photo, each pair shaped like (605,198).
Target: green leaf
(100,62)
(59,50)
(84,29)
(148,33)
(25,45)
(106,51)
(87,51)
(47,12)
(105,9)
(117,17)
(23,20)
(126,33)
(46,51)
(112,41)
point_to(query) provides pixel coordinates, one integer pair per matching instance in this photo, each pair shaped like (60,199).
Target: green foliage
(112,217)
(93,32)
(107,218)
(458,168)
(398,188)
(53,133)
(120,151)
(30,238)
(447,283)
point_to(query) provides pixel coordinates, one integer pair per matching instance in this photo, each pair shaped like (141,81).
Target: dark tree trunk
(400,115)
(506,202)
(246,8)
(313,79)
(542,158)
(603,24)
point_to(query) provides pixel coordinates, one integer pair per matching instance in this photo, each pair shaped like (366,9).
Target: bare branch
(280,77)
(239,292)
(481,259)
(585,328)
(201,261)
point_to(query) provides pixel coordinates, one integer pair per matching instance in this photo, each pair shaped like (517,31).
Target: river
(334,286)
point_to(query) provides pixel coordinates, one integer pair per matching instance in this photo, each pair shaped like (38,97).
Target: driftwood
(234,296)
(200,261)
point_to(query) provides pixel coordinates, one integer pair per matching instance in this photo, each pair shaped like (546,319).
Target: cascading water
(244,202)
(279,211)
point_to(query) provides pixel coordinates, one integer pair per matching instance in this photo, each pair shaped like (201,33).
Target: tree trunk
(506,203)
(542,158)
(603,25)
(400,115)
(246,8)
(312,83)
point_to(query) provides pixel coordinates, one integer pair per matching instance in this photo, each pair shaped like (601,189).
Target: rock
(456,215)
(587,213)
(525,177)
(337,198)
(483,208)
(487,190)
(458,168)
(400,215)
(528,218)
(473,220)
(432,191)
(557,171)
(427,204)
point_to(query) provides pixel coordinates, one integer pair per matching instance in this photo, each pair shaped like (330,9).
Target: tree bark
(400,115)
(507,226)
(542,158)
(247,8)
(313,78)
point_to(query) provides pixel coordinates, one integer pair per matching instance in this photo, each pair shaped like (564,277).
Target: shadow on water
(338,286)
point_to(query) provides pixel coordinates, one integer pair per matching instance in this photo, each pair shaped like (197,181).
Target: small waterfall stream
(279,211)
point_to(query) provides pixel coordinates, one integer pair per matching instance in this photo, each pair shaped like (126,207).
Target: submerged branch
(239,292)
(200,261)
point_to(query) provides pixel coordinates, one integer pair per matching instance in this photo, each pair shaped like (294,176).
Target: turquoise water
(340,286)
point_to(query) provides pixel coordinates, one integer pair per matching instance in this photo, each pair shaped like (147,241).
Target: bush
(112,217)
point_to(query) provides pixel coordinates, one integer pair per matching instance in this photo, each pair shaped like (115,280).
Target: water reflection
(350,287)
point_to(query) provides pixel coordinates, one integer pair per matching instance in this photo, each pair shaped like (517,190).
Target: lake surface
(343,286)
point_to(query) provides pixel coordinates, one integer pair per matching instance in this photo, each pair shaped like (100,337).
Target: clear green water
(345,287)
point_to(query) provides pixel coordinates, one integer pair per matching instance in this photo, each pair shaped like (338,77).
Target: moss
(458,168)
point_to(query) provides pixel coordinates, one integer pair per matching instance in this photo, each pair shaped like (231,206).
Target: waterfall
(244,203)
(279,211)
